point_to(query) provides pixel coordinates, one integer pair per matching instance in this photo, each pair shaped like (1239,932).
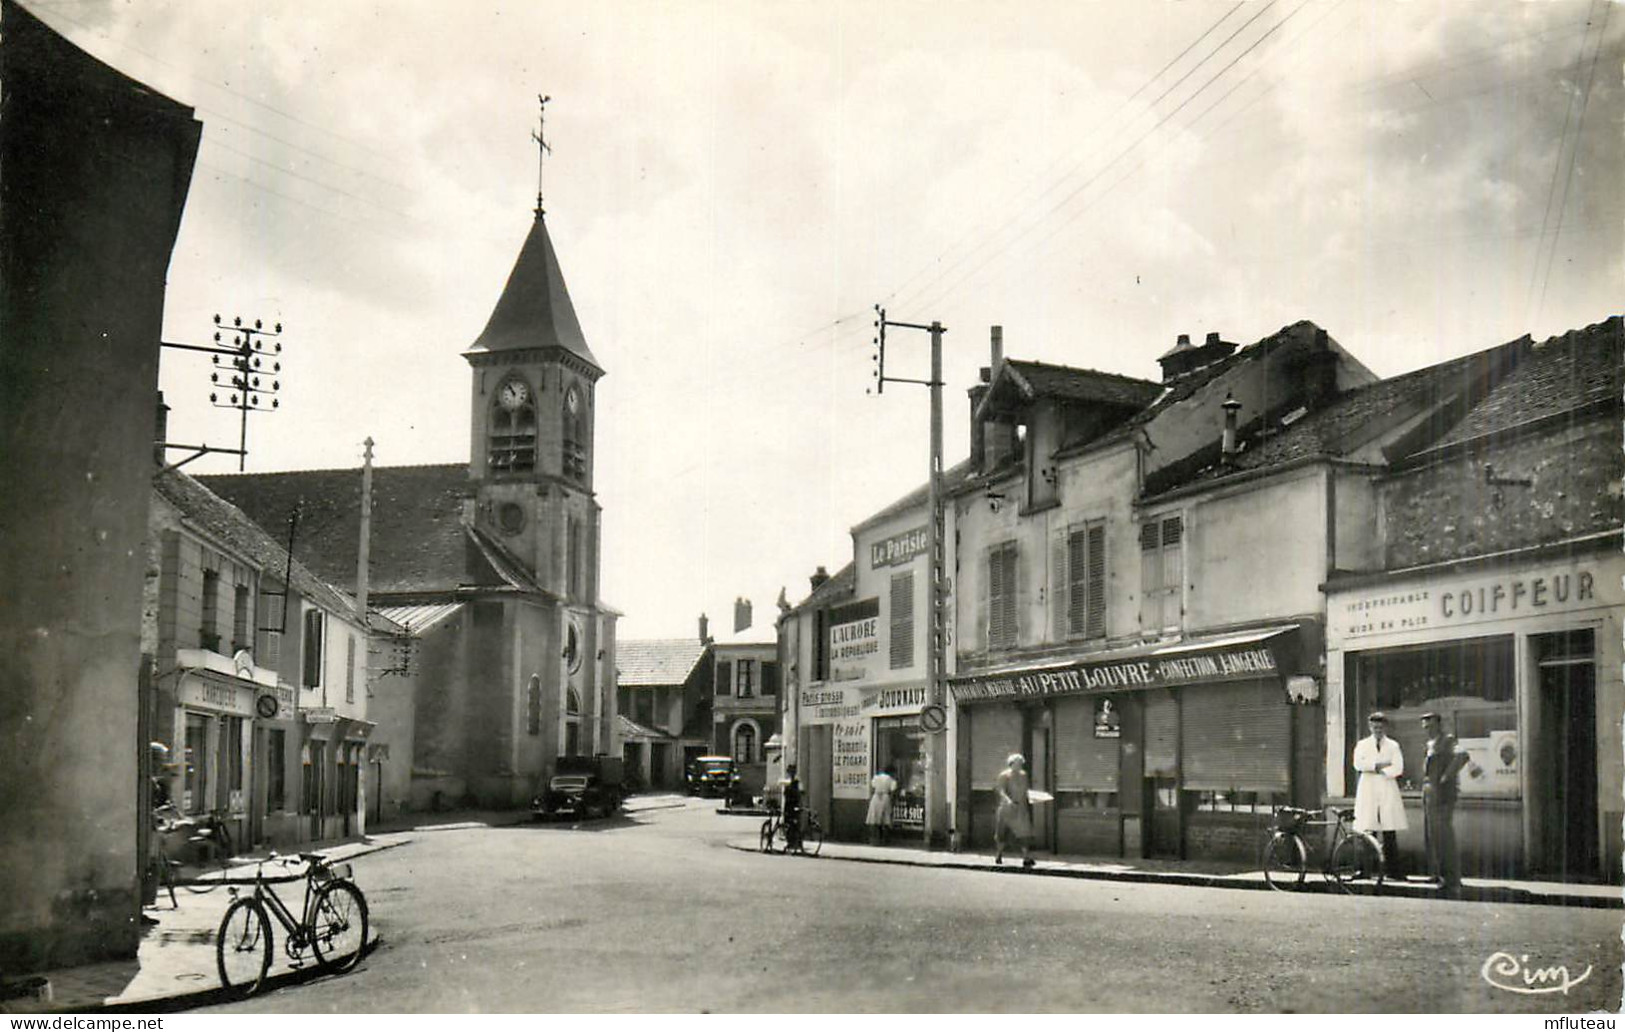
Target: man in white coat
(1378,806)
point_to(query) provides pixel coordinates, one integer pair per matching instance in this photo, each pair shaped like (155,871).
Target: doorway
(1041,776)
(1564,781)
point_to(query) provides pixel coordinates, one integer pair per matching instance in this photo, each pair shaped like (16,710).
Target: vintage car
(712,776)
(582,786)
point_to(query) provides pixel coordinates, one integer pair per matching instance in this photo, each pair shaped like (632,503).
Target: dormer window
(575,434)
(513,428)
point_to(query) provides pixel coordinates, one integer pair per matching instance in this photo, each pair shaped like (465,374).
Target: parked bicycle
(332,924)
(774,836)
(1353,858)
(208,836)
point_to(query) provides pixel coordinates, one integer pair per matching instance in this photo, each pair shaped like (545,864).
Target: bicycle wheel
(1285,861)
(812,837)
(1357,860)
(780,842)
(338,930)
(242,950)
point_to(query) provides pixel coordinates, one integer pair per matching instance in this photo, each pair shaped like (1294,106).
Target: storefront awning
(1269,652)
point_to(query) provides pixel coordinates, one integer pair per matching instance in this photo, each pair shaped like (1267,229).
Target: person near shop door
(1378,806)
(1013,818)
(1439,789)
(877,823)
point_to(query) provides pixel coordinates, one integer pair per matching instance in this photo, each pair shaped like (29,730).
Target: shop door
(1041,775)
(1160,799)
(816,772)
(1565,788)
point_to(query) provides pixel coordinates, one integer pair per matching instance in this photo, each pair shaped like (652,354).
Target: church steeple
(534,310)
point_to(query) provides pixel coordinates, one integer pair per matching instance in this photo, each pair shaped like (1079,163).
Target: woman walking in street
(1013,818)
(879,820)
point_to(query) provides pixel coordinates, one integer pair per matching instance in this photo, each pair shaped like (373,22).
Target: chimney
(819,576)
(1178,360)
(1212,340)
(741,614)
(705,630)
(1227,445)
(997,334)
(160,432)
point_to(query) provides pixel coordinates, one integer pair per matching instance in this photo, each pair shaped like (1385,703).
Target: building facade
(662,684)
(1497,603)
(86,233)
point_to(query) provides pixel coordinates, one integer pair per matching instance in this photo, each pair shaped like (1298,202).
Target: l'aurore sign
(1220,663)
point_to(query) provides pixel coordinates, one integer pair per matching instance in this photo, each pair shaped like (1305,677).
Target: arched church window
(513,428)
(533,705)
(575,434)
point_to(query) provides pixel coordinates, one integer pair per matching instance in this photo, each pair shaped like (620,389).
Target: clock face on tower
(513,394)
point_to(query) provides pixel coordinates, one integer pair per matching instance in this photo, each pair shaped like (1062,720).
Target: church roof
(419,543)
(534,310)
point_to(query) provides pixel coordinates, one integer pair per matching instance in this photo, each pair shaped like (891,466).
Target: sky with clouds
(733,185)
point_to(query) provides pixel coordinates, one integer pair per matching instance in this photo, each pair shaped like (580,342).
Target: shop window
(276,767)
(725,673)
(513,429)
(770,677)
(533,706)
(1162,574)
(195,782)
(315,626)
(349,668)
(744,744)
(1086,582)
(1470,683)
(746,673)
(900,748)
(240,638)
(902,621)
(208,628)
(1001,596)
(1238,801)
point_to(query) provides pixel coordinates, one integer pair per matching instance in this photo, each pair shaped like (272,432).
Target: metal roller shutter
(995,733)
(1161,734)
(1237,736)
(1082,761)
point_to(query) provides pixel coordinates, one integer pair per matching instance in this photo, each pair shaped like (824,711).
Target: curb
(217,995)
(1470,893)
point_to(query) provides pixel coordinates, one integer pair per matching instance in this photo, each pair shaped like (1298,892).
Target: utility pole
(936,751)
(251,385)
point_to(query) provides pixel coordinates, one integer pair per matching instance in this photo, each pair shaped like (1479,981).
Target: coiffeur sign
(1237,662)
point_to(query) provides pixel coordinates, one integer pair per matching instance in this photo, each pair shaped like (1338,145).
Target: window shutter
(1060,591)
(902,620)
(1083,763)
(984,600)
(1095,622)
(1237,737)
(268,653)
(1173,570)
(313,648)
(1150,577)
(995,598)
(349,668)
(725,673)
(1077,575)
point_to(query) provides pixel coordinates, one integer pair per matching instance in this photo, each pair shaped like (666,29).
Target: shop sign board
(321,715)
(1108,722)
(851,759)
(888,702)
(1492,765)
(199,693)
(854,639)
(899,548)
(1235,662)
(1449,601)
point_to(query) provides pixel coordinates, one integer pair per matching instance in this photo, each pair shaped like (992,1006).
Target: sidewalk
(1212,874)
(175,967)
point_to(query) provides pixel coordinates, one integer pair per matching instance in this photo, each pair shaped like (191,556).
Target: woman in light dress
(877,825)
(1013,818)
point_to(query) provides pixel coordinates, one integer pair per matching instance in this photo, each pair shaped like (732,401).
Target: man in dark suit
(1444,762)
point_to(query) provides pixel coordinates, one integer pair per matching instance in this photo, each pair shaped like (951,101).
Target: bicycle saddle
(313,858)
(1347,813)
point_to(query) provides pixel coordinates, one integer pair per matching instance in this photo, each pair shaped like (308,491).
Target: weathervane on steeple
(542,149)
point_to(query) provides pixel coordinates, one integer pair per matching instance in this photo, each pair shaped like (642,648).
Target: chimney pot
(705,630)
(741,614)
(1183,340)
(997,335)
(1227,443)
(819,576)
(1212,339)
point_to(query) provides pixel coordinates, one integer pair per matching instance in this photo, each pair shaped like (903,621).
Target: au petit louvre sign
(1445,600)
(1240,661)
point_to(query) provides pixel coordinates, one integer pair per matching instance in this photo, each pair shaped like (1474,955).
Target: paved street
(654,912)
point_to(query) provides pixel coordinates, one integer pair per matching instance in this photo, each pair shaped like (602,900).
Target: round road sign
(933,718)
